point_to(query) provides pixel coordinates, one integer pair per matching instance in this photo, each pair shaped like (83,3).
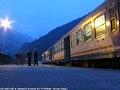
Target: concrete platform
(69,78)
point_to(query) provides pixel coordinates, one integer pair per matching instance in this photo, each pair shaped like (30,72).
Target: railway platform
(46,77)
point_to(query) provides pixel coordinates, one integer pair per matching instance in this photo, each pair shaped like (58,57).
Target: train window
(100,25)
(79,37)
(62,46)
(72,41)
(56,49)
(59,48)
(113,19)
(87,32)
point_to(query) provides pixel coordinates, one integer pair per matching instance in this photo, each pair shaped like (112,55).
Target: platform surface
(69,78)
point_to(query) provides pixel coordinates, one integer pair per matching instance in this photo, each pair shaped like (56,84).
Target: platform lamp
(6,24)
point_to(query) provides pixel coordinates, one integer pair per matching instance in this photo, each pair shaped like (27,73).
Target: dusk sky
(37,17)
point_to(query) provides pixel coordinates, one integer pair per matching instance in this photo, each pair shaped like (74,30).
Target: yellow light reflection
(117,22)
(6,23)
(107,23)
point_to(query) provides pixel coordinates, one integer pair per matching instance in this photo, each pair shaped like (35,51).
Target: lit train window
(72,41)
(79,37)
(112,19)
(87,32)
(100,25)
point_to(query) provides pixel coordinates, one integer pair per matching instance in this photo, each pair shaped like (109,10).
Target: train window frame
(100,25)
(114,18)
(88,32)
(72,40)
(78,44)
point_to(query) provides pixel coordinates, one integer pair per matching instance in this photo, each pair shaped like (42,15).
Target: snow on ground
(45,76)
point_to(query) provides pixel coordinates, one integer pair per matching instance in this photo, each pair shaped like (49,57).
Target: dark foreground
(44,76)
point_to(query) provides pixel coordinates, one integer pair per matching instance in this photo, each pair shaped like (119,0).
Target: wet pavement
(68,78)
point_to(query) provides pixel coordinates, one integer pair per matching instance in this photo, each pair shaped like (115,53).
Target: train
(94,42)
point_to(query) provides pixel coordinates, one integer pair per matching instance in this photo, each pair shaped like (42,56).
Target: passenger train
(94,42)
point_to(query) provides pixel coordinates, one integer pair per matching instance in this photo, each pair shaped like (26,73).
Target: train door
(67,51)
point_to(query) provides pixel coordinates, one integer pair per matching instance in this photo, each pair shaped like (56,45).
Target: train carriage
(93,40)
(46,57)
